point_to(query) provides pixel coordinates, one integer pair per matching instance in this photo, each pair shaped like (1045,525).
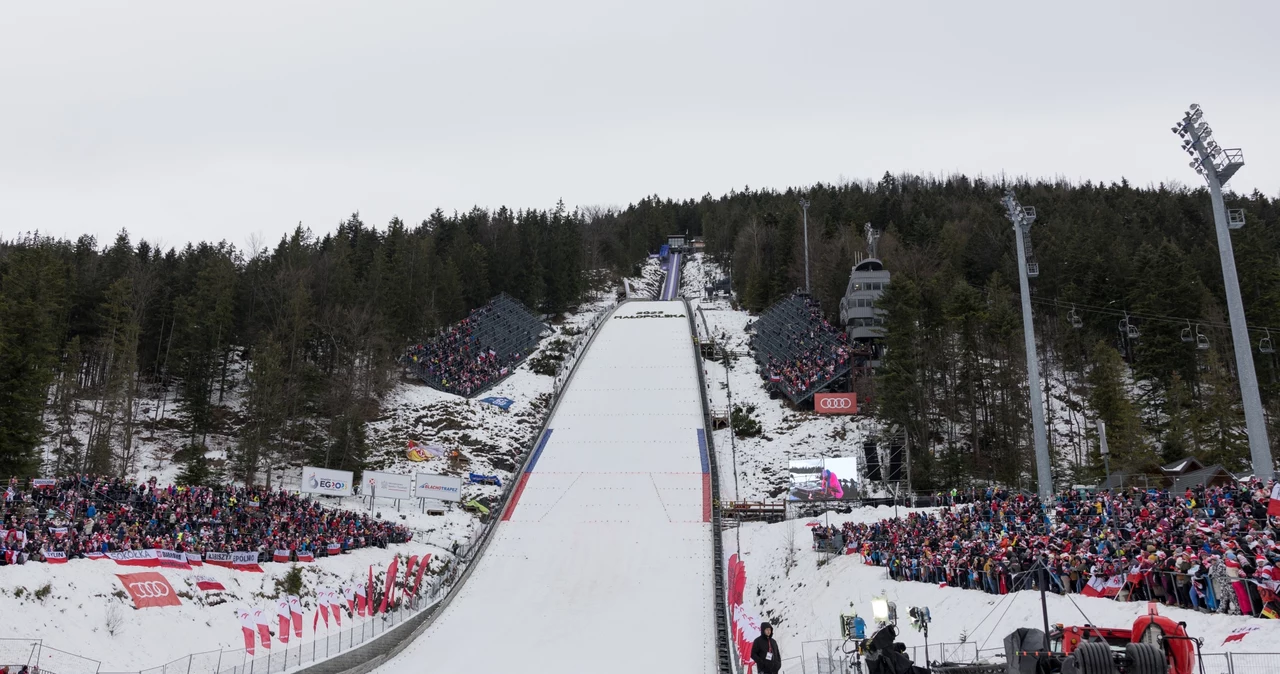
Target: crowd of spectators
(456,359)
(85,514)
(811,355)
(1211,549)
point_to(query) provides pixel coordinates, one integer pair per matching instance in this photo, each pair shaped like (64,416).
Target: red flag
(295,612)
(390,584)
(54,557)
(362,599)
(264,630)
(408,570)
(209,584)
(282,613)
(247,627)
(306,557)
(422,566)
(372,589)
(349,594)
(280,556)
(1273,507)
(335,605)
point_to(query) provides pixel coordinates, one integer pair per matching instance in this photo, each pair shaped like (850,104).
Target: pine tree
(1109,400)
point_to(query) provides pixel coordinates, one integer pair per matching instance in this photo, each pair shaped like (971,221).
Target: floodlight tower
(1216,166)
(804,204)
(1022,218)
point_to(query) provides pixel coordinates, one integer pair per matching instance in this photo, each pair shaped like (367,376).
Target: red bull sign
(835,403)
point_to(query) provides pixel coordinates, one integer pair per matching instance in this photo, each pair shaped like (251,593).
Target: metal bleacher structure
(504,325)
(785,331)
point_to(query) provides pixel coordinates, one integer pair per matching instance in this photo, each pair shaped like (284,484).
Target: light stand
(804,205)
(1022,218)
(1216,166)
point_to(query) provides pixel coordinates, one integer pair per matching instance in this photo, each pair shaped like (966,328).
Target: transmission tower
(1216,166)
(1022,218)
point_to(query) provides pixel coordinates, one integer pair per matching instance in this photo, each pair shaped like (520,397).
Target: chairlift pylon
(1265,345)
(1074,318)
(1186,334)
(1202,342)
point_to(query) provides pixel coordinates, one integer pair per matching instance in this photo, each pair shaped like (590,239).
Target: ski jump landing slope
(604,562)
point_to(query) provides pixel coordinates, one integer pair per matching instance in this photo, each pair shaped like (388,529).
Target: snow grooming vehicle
(1154,645)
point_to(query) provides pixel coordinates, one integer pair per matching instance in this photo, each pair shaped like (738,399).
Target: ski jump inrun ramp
(604,563)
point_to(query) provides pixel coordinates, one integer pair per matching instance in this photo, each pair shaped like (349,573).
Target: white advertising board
(439,487)
(325,481)
(387,485)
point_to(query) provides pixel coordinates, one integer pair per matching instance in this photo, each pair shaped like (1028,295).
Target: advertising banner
(43,483)
(387,485)
(166,558)
(149,589)
(499,401)
(325,481)
(835,403)
(441,487)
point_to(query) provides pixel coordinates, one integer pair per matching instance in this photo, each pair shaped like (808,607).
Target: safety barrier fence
(828,656)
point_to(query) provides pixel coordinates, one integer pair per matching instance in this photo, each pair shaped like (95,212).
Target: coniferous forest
(307,330)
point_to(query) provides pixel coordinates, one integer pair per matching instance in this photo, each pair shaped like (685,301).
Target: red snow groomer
(1155,644)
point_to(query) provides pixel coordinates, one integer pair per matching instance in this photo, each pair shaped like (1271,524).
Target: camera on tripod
(920,618)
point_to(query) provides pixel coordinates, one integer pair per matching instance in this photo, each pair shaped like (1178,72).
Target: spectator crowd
(457,361)
(1212,549)
(813,354)
(85,514)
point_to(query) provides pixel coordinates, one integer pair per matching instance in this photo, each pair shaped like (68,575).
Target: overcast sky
(184,121)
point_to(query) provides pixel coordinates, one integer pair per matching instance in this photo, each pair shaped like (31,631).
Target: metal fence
(283,657)
(34,653)
(827,657)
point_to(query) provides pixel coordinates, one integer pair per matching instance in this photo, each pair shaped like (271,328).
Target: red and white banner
(150,558)
(408,571)
(349,595)
(247,628)
(306,557)
(835,403)
(1240,633)
(322,610)
(372,592)
(390,586)
(295,612)
(209,584)
(58,532)
(334,549)
(1273,507)
(282,616)
(1104,587)
(335,604)
(239,561)
(55,557)
(280,556)
(95,555)
(194,559)
(362,599)
(422,566)
(260,618)
(43,482)
(149,589)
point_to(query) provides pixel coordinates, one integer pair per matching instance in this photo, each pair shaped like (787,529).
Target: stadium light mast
(1216,165)
(1022,218)
(804,204)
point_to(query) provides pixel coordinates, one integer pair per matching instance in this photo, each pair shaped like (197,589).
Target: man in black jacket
(765,653)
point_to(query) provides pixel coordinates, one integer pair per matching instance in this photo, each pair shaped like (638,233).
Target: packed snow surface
(607,543)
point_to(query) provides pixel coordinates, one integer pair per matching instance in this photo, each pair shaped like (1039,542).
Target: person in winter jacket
(765,653)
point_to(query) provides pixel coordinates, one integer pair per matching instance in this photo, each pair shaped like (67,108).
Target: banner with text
(441,487)
(325,481)
(387,485)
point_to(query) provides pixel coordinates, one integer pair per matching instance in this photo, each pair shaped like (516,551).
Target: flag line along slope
(604,559)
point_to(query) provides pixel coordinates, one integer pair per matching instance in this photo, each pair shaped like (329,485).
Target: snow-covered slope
(609,537)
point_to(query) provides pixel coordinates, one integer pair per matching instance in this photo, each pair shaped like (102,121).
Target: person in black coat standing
(765,653)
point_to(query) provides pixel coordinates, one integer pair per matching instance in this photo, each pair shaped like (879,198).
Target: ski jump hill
(603,558)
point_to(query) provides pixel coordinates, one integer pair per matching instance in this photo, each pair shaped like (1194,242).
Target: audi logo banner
(149,589)
(835,403)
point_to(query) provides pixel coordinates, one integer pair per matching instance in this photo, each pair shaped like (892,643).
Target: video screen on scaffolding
(823,479)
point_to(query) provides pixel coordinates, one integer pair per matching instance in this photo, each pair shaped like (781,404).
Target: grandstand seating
(799,353)
(472,355)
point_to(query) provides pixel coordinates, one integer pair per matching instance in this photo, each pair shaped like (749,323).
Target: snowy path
(671,284)
(609,542)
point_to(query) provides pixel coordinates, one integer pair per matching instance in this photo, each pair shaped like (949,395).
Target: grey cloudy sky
(185,121)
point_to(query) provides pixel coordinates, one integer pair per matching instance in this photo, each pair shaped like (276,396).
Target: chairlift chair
(1202,342)
(1186,334)
(1265,345)
(1033,269)
(1074,319)
(1129,329)
(1235,218)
